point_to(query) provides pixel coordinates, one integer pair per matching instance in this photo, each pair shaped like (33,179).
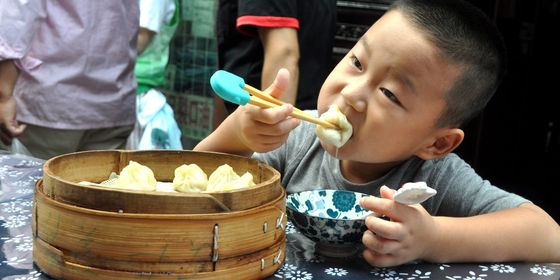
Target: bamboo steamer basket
(83,232)
(61,175)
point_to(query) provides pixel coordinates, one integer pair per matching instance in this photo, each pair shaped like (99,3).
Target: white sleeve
(155,13)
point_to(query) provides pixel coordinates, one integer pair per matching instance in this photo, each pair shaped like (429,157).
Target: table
(18,174)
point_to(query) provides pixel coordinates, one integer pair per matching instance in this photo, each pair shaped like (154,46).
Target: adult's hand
(9,126)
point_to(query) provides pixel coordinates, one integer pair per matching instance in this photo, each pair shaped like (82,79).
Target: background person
(156,127)
(257,38)
(76,88)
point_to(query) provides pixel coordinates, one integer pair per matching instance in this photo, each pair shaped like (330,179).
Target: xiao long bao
(336,137)
(188,178)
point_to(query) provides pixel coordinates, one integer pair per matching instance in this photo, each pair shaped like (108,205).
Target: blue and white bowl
(333,219)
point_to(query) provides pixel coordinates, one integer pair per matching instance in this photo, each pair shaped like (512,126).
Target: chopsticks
(233,88)
(263,100)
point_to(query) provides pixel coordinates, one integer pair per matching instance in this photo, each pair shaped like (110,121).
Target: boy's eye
(356,62)
(390,95)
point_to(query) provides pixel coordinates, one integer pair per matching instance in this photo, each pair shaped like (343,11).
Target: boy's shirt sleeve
(462,192)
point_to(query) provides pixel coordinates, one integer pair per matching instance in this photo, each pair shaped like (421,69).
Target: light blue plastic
(229,87)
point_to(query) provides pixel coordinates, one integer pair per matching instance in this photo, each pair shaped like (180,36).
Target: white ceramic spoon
(414,193)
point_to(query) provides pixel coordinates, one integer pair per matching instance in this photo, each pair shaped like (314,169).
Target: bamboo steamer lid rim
(223,215)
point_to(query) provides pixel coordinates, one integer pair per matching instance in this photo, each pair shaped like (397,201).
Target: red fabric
(265,21)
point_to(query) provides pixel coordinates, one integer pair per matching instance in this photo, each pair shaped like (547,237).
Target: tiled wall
(192,60)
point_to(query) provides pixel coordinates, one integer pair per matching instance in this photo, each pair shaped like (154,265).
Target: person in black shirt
(257,38)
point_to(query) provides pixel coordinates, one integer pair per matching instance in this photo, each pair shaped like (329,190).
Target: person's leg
(105,138)
(43,142)
(4,147)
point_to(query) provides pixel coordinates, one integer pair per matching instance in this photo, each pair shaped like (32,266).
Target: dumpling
(336,137)
(190,178)
(220,176)
(224,178)
(245,181)
(136,177)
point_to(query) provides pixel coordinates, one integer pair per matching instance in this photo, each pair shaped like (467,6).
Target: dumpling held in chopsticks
(190,178)
(336,137)
(136,176)
(224,178)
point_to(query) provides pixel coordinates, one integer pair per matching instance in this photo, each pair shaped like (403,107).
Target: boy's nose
(355,94)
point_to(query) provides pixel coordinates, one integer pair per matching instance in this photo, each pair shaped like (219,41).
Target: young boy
(418,74)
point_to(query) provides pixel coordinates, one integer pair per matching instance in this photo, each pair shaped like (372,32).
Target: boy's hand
(263,130)
(405,237)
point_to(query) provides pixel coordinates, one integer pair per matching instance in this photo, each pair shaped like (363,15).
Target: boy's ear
(445,142)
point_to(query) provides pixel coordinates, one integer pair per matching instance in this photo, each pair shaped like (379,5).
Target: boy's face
(391,88)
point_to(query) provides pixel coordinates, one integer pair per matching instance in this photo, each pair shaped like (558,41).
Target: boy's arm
(251,129)
(525,233)
(225,139)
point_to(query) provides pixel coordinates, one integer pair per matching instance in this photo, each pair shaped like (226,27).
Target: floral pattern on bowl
(334,217)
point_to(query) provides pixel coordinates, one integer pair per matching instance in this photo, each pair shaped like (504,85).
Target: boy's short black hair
(467,38)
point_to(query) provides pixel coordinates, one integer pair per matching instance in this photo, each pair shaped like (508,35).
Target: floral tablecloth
(19,173)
